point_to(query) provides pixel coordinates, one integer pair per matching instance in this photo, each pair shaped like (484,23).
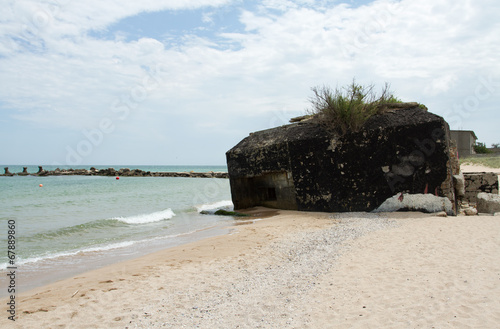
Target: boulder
(24,172)
(488,203)
(108,172)
(222,212)
(470,211)
(135,172)
(221,175)
(416,202)
(123,171)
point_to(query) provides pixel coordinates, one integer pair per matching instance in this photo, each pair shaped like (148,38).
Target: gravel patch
(266,290)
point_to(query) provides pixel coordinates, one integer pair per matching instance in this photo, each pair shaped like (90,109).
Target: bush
(347,109)
(481,148)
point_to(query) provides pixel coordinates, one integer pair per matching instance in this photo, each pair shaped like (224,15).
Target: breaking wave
(147,218)
(213,207)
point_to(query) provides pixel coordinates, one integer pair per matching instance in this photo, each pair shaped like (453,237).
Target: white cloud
(207,17)
(441,84)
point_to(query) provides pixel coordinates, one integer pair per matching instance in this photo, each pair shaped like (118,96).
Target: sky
(179,82)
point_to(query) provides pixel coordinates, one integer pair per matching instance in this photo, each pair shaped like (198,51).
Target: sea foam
(212,207)
(102,248)
(147,218)
(47,257)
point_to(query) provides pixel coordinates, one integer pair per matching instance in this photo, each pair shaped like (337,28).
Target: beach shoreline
(48,271)
(295,269)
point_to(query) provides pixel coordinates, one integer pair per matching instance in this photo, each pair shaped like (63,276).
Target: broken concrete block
(459,181)
(470,211)
(488,203)
(416,202)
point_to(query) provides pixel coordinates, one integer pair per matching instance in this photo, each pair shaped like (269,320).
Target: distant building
(465,139)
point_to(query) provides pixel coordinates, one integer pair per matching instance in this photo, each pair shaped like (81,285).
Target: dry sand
(478,168)
(294,270)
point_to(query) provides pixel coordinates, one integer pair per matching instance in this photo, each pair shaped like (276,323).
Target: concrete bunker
(304,166)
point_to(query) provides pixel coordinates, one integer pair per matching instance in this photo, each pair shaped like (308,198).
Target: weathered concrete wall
(465,140)
(265,154)
(272,189)
(403,151)
(479,182)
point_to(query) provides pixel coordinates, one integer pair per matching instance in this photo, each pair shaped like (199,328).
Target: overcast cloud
(181,82)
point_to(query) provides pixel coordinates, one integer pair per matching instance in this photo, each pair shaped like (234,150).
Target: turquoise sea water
(76,223)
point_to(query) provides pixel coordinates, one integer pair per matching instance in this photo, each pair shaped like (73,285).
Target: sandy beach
(293,270)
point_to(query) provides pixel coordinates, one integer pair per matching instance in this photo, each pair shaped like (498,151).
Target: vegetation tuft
(347,109)
(488,161)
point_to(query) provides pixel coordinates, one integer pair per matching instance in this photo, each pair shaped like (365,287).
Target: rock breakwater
(126,172)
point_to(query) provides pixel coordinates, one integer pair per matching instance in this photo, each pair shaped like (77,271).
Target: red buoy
(117,177)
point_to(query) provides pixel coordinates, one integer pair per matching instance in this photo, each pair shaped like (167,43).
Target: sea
(66,225)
